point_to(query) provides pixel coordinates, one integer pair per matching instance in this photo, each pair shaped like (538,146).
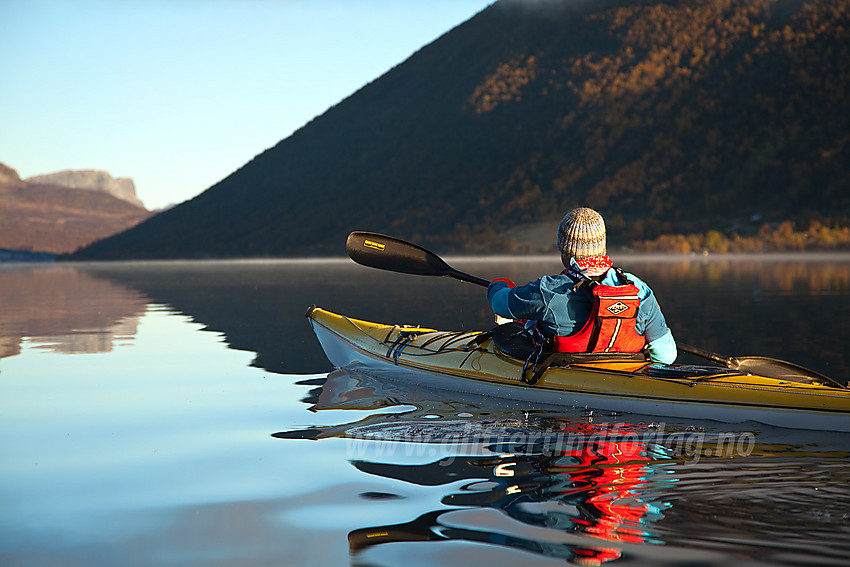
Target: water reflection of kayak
(582,502)
(470,362)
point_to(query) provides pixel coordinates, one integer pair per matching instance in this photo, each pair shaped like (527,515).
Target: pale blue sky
(177,94)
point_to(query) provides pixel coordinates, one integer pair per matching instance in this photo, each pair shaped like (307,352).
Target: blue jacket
(562,311)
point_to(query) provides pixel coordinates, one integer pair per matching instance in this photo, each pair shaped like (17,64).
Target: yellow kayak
(471,363)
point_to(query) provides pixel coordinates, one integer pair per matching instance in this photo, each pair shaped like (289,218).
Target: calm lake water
(184,414)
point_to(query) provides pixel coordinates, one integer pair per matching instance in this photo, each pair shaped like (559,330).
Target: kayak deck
(471,362)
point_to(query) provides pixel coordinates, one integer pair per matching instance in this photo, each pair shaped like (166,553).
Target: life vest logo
(374,245)
(617,308)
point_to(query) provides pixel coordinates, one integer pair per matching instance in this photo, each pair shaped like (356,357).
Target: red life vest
(611,325)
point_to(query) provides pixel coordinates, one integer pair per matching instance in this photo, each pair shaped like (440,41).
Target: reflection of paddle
(388,253)
(762,366)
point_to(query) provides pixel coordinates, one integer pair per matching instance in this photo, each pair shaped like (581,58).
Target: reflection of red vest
(611,325)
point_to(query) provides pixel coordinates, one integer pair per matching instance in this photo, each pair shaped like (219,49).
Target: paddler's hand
(500,282)
(495,286)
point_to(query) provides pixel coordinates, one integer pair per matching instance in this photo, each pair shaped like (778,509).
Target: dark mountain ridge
(664,115)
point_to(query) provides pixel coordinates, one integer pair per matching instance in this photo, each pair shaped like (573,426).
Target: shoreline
(797,256)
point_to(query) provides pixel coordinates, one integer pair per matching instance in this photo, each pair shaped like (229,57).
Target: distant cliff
(36,216)
(9,176)
(668,116)
(121,187)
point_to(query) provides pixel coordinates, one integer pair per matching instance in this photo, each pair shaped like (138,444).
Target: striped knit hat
(582,234)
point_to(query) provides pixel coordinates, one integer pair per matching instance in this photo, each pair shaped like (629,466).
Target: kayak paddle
(395,255)
(388,253)
(762,366)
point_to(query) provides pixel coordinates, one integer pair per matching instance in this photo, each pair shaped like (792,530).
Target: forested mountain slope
(667,116)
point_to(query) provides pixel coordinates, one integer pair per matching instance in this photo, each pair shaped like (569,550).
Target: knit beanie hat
(582,234)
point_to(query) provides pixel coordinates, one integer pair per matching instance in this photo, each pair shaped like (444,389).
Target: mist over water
(184,414)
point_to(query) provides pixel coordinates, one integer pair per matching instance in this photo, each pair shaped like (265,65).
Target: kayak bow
(471,363)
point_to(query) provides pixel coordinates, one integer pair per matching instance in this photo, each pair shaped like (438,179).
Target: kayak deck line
(469,360)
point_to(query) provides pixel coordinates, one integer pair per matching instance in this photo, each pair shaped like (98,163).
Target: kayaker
(627,317)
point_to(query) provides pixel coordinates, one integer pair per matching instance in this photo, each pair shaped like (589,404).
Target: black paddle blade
(763,366)
(395,255)
(388,253)
(782,370)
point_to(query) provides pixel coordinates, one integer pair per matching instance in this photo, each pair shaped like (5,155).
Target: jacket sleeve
(652,325)
(663,349)
(497,295)
(516,302)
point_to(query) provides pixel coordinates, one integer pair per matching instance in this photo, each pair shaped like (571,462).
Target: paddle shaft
(469,278)
(708,355)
